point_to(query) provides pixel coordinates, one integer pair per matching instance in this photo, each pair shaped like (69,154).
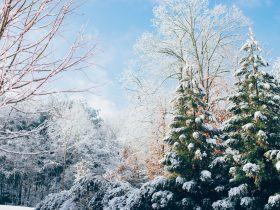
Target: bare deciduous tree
(28,30)
(188,32)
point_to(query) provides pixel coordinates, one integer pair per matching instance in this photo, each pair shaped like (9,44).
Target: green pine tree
(253,130)
(189,150)
(191,144)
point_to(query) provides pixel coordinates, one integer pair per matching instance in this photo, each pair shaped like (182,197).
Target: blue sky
(116,24)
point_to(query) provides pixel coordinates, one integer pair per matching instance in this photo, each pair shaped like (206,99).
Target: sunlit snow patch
(4,207)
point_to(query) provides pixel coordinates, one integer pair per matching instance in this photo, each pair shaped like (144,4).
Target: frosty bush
(223,205)
(161,199)
(236,193)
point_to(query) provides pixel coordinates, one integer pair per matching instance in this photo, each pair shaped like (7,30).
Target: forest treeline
(232,166)
(202,130)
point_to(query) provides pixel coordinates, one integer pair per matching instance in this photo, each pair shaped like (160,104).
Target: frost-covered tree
(28,58)
(190,183)
(276,69)
(191,143)
(34,157)
(253,131)
(143,127)
(26,175)
(189,136)
(78,134)
(187,31)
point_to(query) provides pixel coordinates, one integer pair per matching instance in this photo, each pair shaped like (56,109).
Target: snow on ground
(2,207)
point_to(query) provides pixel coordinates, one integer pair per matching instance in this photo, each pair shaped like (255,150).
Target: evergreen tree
(188,134)
(191,143)
(253,130)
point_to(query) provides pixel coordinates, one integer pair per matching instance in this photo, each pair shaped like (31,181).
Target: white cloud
(107,108)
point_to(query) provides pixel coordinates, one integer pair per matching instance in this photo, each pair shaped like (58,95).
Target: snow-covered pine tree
(253,130)
(191,144)
(188,134)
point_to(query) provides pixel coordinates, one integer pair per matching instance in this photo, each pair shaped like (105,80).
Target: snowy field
(15,208)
